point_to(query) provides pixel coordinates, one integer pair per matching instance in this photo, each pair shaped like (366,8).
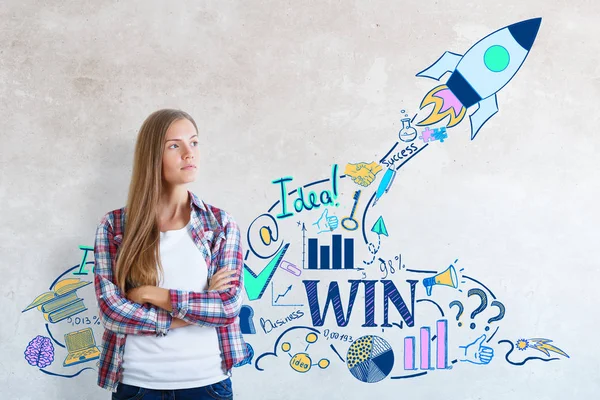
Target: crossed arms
(163,306)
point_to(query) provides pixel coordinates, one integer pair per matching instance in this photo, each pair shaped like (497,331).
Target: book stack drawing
(61,301)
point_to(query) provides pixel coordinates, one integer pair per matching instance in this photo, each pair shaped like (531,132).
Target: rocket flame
(543,346)
(445,104)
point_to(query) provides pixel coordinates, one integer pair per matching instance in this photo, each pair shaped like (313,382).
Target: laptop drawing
(81,346)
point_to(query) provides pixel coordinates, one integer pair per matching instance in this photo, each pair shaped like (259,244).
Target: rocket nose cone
(525,32)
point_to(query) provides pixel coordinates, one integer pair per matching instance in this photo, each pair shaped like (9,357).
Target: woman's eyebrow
(179,140)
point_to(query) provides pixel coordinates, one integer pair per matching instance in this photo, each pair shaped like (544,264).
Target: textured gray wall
(288,89)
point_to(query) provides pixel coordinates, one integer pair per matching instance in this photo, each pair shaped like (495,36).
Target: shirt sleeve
(117,313)
(215,307)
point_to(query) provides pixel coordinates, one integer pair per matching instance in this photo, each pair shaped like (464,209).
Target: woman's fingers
(224,272)
(221,283)
(221,287)
(222,279)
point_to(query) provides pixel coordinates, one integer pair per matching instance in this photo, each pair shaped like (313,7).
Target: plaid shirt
(217,236)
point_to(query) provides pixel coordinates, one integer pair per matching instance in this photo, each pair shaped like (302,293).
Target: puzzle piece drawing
(426,135)
(440,134)
(429,135)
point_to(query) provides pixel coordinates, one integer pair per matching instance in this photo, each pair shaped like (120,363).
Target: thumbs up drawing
(477,353)
(325,223)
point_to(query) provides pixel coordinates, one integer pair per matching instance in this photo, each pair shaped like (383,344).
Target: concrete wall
(309,90)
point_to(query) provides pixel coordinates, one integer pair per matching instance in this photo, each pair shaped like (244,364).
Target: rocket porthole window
(496,58)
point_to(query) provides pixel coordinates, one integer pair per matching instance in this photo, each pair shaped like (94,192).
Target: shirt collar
(195,201)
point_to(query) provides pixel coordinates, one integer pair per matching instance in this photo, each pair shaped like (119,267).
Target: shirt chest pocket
(216,245)
(209,243)
(214,240)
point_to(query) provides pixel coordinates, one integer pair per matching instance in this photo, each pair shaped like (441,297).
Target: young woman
(168,277)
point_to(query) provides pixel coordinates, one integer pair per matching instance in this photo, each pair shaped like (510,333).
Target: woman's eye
(174,144)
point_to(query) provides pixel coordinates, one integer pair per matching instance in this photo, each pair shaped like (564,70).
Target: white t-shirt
(186,357)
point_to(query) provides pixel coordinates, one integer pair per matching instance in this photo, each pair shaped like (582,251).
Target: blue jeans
(216,391)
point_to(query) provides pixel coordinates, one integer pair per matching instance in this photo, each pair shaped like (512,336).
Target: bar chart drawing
(441,347)
(331,257)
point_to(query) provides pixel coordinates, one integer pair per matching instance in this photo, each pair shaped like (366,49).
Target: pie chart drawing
(370,359)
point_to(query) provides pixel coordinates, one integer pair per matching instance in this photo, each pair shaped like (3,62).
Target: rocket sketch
(478,75)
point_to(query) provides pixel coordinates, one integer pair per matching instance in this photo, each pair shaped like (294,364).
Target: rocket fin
(486,110)
(446,63)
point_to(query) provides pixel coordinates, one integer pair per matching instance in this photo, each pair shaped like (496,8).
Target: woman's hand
(178,323)
(138,294)
(222,279)
(143,294)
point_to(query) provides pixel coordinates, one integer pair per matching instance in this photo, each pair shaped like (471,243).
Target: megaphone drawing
(446,278)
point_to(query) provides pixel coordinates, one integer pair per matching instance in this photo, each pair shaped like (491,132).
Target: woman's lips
(189,167)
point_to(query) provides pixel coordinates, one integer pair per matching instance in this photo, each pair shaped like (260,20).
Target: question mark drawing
(482,306)
(460,309)
(500,315)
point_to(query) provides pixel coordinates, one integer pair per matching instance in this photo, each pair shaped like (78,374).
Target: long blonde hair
(138,254)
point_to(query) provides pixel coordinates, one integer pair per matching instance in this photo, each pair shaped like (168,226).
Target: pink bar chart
(442,344)
(425,346)
(409,353)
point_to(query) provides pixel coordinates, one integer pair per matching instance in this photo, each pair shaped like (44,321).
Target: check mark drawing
(256,285)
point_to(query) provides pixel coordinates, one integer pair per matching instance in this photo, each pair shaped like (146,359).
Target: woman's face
(180,150)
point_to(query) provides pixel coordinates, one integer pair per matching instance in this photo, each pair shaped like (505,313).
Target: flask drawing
(407,133)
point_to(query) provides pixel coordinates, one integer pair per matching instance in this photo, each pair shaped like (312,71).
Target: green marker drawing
(82,270)
(255,285)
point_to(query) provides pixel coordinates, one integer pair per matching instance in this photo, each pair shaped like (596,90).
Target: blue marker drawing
(274,300)
(385,184)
